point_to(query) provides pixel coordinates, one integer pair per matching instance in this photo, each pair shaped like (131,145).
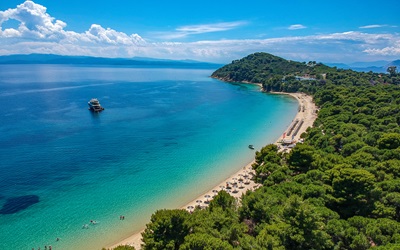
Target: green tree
(272,237)
(352,147)
(222,200)
(166,230)
(301,157)
(360,242)
(263,205)
(392,70)
(389,141)
(352,191)
(306,229)
(268,153)
(222,224)
(199,241)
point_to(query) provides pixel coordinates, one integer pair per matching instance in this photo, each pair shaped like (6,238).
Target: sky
(211,31)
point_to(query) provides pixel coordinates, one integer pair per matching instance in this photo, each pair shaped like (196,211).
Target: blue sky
(213,31)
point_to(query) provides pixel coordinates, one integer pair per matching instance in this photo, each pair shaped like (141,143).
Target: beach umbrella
(234,181)
(215,192)
(199,202)
(190,208)
(222,187)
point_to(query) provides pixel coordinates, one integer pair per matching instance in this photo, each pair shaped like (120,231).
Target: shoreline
(306,113)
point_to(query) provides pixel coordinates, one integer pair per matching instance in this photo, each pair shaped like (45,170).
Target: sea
(166,136)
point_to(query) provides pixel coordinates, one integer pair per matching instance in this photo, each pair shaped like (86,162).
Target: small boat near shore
(251,146)
(94,105)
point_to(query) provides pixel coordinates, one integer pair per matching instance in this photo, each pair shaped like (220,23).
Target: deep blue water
(165,136)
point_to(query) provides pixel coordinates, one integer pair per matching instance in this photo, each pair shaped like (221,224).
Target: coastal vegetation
(340,189)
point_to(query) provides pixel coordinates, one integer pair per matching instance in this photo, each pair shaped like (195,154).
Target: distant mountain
(338,65)
(372,68)
(87,60)
(375,66)
(394,63)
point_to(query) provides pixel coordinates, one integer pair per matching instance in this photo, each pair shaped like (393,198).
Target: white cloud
(345,46)
(205,28)
(185,31)
(296,27)
(372,26)
(36,24)
(99,34)
(387,51)
(38,32)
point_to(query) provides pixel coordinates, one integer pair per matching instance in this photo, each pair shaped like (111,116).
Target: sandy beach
(241,181)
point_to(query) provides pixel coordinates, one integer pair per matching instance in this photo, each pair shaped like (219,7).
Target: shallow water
(165,137)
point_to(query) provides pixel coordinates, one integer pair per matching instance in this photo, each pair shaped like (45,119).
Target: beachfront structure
(287,141)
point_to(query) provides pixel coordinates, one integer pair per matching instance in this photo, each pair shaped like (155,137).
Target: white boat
(94,105)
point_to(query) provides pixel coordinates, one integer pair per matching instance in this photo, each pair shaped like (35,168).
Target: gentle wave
(29,91)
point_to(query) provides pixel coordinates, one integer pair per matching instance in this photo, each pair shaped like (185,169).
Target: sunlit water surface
(165,137)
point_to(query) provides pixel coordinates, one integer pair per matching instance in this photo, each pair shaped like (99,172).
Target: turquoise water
(165,137)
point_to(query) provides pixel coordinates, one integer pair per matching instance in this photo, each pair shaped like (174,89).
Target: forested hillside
(340,189)
(278,74)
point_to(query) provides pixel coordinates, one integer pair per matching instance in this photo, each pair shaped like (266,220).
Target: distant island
(337,189)
(88,60)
